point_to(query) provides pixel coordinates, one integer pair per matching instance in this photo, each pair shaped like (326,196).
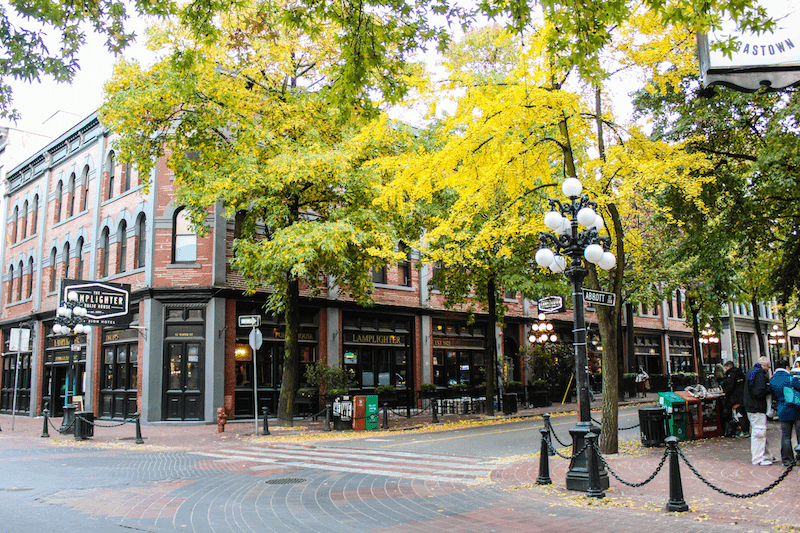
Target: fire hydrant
(221,419)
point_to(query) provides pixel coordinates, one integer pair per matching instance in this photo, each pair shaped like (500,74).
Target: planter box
(539,398)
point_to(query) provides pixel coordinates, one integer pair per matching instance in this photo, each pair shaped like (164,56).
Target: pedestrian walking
(643,381)
(756,390)
(733,387)
(788,413)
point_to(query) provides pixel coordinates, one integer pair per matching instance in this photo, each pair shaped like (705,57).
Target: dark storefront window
(647,350)
(22,374)
(378,350)
(56,370)
(269,359)
(681,354)
(119,385)
(459,354)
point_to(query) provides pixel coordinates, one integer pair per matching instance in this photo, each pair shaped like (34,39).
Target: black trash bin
(510,403)
(84,425)
(653,425)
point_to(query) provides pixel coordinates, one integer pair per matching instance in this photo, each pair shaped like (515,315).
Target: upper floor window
(53,253)
(35,215)
(404,266)
(24,215)
(111,168)
(126,186)
(122,238)
(14,217)
(85,188)
(379,274)
(104,250)
(66,260)
(30,278)
(141,240)
(59,192)
(679,303)
(19,285)
(71,195)
(79,267)
(11,283)
(184,240)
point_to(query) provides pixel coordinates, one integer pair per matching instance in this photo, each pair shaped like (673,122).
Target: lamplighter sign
(771,58)
(105,303)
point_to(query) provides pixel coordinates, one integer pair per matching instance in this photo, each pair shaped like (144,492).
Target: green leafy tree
(246,124)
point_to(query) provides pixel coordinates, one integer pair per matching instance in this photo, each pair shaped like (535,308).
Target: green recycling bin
(372,412)
(676,413)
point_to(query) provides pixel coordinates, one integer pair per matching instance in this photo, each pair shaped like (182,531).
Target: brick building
(74,212)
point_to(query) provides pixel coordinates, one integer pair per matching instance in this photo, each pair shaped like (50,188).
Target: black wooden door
(183,381)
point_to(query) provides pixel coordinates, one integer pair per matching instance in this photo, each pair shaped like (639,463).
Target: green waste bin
(676,413)
(372,412)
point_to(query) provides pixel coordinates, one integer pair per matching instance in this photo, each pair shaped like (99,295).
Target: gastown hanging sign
(105,303)
(771,58)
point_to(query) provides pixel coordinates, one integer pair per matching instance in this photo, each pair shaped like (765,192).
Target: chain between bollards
(549,427)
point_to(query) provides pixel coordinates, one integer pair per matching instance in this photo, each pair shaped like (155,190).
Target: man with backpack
(756,391)
(733,387)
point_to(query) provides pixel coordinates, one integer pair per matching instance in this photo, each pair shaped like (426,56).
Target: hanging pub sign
(105,303)
(770,58)
(550,304)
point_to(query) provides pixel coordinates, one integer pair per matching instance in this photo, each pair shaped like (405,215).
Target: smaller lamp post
(69,322)
(542,331)
(707,337)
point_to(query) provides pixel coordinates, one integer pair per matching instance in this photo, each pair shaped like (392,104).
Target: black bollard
(385,423)
(265,431)
(435,411)
(45,434)
(676,501)
(139,439)
(544,459)
(327,417)
(595,489)
(550,449)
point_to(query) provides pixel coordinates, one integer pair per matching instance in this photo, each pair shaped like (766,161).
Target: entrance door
(183,379)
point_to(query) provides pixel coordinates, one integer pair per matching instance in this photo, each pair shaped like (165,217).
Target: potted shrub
(427,390)
(330,381)
(458,389)
(538,393)
(386,394)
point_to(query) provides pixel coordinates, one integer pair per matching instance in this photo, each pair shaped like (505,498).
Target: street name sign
(599,297)
(249,321)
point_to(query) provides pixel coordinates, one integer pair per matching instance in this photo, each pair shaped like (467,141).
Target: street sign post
(599,297)
(256,339)
(249,321)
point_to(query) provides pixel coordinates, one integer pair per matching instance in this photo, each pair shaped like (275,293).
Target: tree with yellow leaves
(247,126)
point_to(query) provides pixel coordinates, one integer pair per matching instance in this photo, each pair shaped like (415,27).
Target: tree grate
(285,481)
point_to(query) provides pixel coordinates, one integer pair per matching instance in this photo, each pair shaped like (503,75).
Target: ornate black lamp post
(568,242)
(69,322)
(707,337)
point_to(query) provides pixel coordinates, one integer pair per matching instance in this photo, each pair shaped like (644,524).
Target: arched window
(111,168)
(53,253)
(59,192)
(79,270)
(71,195)
(14,218)
(30,278)
(141,240)
(184,240)
(19,285)
(24,215)
(35,215)
(104,249)
(122,238)
(66,260)
(11,283)
(85,191)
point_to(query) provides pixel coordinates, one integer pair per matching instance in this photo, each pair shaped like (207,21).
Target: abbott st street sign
(599,297)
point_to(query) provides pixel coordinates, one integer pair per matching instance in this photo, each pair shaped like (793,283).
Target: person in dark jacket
(788,414)
(756,390)
(733,387)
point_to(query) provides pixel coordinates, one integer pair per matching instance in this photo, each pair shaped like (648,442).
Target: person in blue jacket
(788,414)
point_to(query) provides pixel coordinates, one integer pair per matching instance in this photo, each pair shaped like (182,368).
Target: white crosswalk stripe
(423,466)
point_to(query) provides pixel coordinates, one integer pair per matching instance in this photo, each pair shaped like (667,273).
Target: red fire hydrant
(221,419)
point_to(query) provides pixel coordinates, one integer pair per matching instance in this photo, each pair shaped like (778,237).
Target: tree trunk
(291,353)
(701,367)
(762,349)
(734,340)
(491,349)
